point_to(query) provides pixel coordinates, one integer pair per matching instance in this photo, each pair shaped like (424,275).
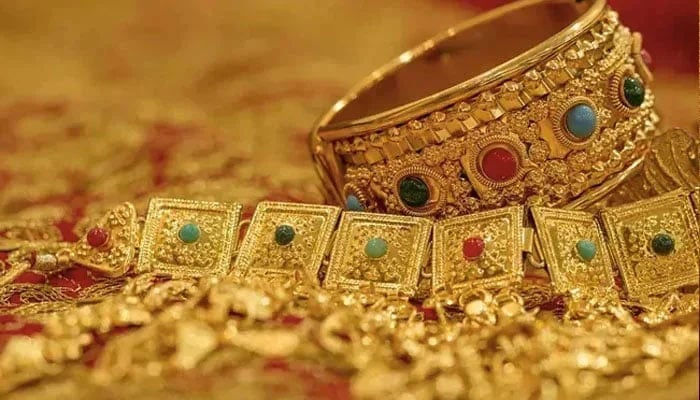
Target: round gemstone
(376,247)
(499,164)
(472,248)
(414,191)
(663,244)
(284,234)
(633,90)
(352,203)
(189,233)
(97,237)
(586,249)
(581,121)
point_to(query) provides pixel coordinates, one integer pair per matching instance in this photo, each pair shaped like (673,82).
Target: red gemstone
(646,57)
(499,164)
(472,247)
(97,237)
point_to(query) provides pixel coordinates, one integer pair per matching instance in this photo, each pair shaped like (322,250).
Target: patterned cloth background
(105,101)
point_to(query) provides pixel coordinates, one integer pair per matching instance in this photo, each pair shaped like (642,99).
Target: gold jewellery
(554,111)
(513,228)
(653,243)
(201,301)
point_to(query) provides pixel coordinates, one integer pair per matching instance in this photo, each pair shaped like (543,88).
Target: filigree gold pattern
(313,226)
(501,263)
(631,229)
(397,271)
(559,231)
(162,251)
(124,236)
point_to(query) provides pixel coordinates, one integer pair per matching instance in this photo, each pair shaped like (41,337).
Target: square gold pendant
(574,249)
(188,237)
(655,243)
(285,237)
(386,252)
(481,250)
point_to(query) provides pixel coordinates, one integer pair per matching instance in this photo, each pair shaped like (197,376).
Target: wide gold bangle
(538,102)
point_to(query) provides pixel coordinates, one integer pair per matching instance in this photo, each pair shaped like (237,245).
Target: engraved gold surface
(559,231)
(163,252)
(261,255)
(396,272)
(501,262)
(631,228)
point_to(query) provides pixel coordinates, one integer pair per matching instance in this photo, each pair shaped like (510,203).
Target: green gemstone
(634,92)
(663,244)
(586,249)
(414,191)
(189,233)
(376,247)
(284,234)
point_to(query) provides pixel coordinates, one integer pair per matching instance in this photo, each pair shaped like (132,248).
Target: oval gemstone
(284,234)
(581,121)
(97,237)
(352,203)
(634,92)
(586,249)
(376,247)
(472,248)
(499,164)
(413,191)
(663,244)
(189,233)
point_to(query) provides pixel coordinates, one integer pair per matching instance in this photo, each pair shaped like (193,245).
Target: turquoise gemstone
(581,121)
(663,244)
(352,203)
(189,233)
(376,248)
(284,234)
(586,249)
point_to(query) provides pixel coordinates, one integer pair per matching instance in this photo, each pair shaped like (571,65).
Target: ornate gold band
(568,110)
(653,244)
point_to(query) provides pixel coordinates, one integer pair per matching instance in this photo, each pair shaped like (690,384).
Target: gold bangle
(548,126)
